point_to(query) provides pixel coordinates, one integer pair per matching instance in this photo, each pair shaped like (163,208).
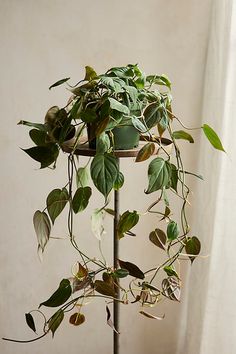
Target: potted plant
(111,112)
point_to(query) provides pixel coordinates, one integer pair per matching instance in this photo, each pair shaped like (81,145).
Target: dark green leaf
(152,114)
(60,82)
(60,296)
(126,222)
(159,173)
(193,247)
(42,228)
(77,319)
(88,115)
(104,171)
(46,155)
(146,151)
(81,199)
(133,270)
(102,126)
(212,137)
(172,230)
(30,321)
(117,106)
(55,321)
(158,238)
(104,288)
(90,73)
(174,177)
(82,177)
(110,211)
(119,181)
(39,126)
(38,136)
(121,273)
(181,134)
(56,202)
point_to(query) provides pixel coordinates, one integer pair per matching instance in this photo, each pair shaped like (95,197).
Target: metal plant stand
(84,150)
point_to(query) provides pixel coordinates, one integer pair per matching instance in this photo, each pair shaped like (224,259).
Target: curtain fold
(209,315)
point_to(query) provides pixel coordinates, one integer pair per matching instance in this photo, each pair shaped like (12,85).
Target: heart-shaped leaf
(119,181)
(158,238)
(159,173)
(152,114)
(172,230)
(90,73)
(42,228)
(60,296)
(193,247)
(56,202)
(146,151)
(126,222)
(77,319)
(133,270)
(104,171)
(81,199)
(82,177)
(38,136)
(104,288)
(118,106)
(46,155)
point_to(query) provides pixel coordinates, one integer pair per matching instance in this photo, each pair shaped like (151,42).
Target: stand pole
(116,309)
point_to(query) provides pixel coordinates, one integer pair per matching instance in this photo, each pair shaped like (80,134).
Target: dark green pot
(126,137)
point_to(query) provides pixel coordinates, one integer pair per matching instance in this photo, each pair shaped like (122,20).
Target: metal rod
(116,309)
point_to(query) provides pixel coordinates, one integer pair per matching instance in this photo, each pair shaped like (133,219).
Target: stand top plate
(85,150)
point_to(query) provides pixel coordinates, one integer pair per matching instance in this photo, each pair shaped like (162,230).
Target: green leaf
(88,115)
(140,82)
(102,143)
(159,80)
(133,270)
(104,171)
(117,106)
(81,199)
(121,273)
(55,321)
(90,73)
(132,92)
(56,202)
(77,319)
(181,134)
(104,288)
(158,238)
(174,177)
(46,155)
(126,222)
(82,177)
(137,123)
(119,181)
(212,137)
(30,321)
(152,114)
(59,82)
(159,173)
(114,83)
(60,296)
(146,151)
(97,223)
(170,271)
(39,126)
(172,230)
(193,247)
(42,228)
(38,136)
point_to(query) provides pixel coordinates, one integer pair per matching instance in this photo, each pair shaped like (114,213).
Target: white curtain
(209,315)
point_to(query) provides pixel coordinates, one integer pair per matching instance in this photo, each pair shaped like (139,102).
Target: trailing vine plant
(123,96)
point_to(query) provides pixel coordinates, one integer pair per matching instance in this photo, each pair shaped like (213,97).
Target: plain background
(41,42)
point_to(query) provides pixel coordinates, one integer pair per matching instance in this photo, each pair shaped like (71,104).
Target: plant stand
(84,150)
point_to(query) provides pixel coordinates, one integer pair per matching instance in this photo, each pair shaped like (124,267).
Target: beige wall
(41,42)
